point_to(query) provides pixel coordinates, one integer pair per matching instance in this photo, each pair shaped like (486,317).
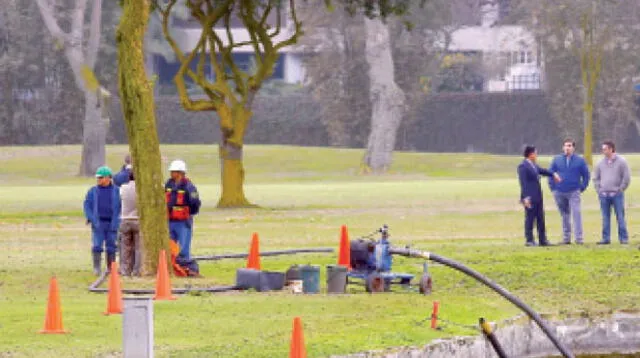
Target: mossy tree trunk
(590,67)
(139,115)
(231,151)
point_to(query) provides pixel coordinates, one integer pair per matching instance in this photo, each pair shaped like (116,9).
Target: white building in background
(289,67)
(511,57)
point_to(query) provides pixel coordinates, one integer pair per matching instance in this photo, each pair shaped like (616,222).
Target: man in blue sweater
(102,210)
(575,180)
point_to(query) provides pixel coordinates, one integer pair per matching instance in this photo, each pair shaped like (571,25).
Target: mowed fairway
(462,206)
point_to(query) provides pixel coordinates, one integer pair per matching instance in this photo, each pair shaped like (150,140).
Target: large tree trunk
(139,114)
(94,135)
(387,99)
(231,168)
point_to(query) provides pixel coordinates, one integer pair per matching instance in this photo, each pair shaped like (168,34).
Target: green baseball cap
(103,172)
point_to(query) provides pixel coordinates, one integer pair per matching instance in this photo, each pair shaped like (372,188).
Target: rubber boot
(110,258)
(96,263)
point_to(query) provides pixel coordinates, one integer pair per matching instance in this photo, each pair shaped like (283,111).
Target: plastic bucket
(336,279)
(310,278)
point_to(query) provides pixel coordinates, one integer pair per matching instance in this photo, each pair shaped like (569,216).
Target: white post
(137,327)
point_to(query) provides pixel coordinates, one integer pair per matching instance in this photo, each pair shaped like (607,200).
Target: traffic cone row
(53,319)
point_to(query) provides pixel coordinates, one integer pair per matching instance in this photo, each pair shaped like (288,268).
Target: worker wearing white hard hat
(183,202)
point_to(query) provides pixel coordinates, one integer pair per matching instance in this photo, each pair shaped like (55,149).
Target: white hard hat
(178,166)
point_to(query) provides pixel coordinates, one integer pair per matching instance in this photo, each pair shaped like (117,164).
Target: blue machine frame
(377,275)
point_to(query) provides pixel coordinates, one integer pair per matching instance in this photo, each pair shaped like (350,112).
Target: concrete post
(137,327)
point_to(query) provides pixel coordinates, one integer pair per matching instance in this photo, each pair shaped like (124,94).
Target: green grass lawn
(462,206)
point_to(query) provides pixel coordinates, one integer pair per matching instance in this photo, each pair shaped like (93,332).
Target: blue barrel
(310,278)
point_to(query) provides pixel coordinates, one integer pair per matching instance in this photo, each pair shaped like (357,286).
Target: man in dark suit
(531,195)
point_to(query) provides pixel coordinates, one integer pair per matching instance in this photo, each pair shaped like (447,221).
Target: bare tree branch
(47,12)
(94,34)
(77,23)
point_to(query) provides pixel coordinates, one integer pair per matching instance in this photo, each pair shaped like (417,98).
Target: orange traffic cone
(53,319)
(344,255)
(163,281)
(253,261)
(114,295)
(297,349)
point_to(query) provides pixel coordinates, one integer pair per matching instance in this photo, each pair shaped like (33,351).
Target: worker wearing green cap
(102,209)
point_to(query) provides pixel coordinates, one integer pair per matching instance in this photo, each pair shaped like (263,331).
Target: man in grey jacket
(611,178)
(130,253)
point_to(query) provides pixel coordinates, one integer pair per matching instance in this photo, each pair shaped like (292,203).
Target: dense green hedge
(457,122)
(481,122)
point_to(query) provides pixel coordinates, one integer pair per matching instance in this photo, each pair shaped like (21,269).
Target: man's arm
(596,178)
(521,178)
(88,206)
(585,176)
(545,172)
(194,200)
(122,177)
(552,169)
(626,176)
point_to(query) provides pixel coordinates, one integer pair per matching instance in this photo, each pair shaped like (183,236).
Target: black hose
(494,286)
(94,287)
(486,329)
(263,253)
(134,291)
(100,280)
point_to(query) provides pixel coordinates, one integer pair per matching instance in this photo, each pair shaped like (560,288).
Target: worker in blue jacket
(102,210)
(183,202)
(575,179)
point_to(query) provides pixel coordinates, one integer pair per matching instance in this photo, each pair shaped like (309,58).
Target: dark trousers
(535,214)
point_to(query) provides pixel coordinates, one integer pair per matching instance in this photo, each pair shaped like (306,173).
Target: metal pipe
(94,287)
(494,286)
(263,253)
(135,291)
(486,330)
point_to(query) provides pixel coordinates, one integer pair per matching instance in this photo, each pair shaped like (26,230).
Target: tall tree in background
(387,99)
(581,40)
(139,114)
(39,101)
(82,60)
(336,72)
(231,93)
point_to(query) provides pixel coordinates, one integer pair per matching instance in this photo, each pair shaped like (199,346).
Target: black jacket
(529,176)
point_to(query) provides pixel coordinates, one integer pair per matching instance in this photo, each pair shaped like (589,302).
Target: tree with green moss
(232,91)
(138,111)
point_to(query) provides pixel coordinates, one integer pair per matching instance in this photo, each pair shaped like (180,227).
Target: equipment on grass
(372,260)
